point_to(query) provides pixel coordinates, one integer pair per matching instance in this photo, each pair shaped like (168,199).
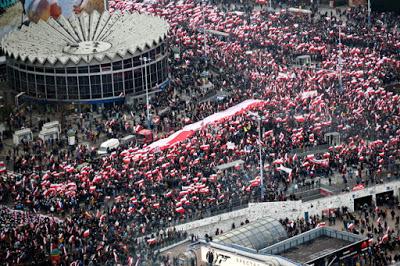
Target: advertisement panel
(43,9)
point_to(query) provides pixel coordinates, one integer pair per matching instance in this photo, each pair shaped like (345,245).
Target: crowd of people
(379,224)
(114,208)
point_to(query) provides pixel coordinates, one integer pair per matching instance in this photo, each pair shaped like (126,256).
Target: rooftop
(313,244)
(256,235)
(85,37)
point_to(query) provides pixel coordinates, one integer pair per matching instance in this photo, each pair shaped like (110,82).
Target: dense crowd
(109,204)
(379,224)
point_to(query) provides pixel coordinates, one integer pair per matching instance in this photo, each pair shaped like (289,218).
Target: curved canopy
(255,235)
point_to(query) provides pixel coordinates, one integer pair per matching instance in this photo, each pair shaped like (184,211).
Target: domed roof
(85,37)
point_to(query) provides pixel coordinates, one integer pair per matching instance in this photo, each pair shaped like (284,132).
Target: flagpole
(261,161)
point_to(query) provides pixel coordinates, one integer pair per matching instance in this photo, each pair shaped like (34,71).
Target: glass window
(83,69)
(117,65)
(158,50)
(160,71)
(128,63)
(138,81)
(10,76)
(71,70)
(128,82)
(24,85)
(38,69)
(106,67)
(153,54)
(41,89)
(17,80)
(31,85)
(95,69)
(30,68)
(153,75)
(50,87)
(136,61)
(84,88)
(95,83)
(49,70)
(72,84)
(61,88)
(60,70)
(118,84)
(107,85)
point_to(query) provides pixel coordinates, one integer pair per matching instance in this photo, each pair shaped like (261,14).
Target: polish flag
(86,233)
(180,210)
(350,226)
(322,224)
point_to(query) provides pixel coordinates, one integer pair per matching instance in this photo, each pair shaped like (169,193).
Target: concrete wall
(282,209)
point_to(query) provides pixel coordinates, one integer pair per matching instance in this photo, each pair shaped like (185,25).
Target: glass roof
(255,235)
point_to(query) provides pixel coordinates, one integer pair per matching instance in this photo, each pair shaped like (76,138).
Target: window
(153,76)
(95,83)
(49,70)
(60,70)
(72,84)
(117,65)
(31,85)
(106,67)
(83,69)
(118,84)
(128,82)
(107,85)
(138,81)
(41,89)
(152,54)
(84,88)
(71,70)
(10,76)
(136,61)
(160,71)
(95,69)
(50,87)
(38,69)
(127,63)
(24,85)
(61,88)
(17,80)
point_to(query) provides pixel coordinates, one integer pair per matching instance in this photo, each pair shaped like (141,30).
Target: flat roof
(314,249)
(313,244)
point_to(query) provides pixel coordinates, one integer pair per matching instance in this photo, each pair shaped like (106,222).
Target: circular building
(94,58)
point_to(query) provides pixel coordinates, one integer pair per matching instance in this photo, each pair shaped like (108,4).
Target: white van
(108,145)
(128,139)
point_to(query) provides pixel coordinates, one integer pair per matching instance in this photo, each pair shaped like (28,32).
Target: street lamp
(145,60)
(259,119)
(204,30)
(340,60)
(369,13)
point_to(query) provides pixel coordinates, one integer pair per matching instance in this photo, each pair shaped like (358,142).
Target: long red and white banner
(187,131)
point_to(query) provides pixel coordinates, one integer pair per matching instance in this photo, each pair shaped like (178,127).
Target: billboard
(43,9)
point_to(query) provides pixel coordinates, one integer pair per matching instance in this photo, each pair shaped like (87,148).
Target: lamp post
(259,119)
(340,60)
(145,60)
(369,13)
(204,30)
